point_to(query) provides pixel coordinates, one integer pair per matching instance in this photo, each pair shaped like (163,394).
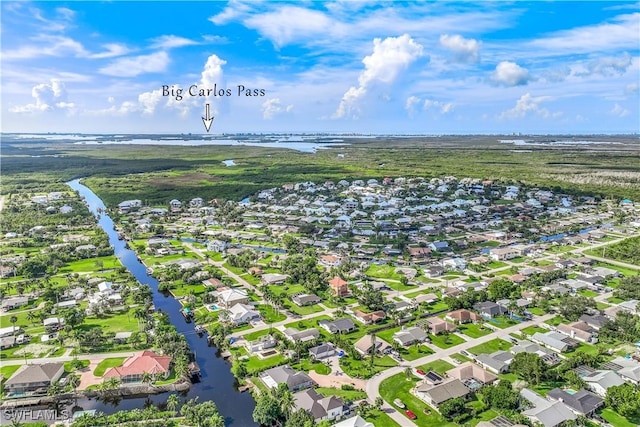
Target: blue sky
(344,66)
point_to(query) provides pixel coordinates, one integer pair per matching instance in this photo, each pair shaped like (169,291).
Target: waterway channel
(217,382)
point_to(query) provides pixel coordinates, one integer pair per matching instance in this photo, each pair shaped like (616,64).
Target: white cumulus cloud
(273,107)
(444,107)
(464,50)
(619,111)
(528,104)
(390,57)
(48,96)
(510,74)
(132,66)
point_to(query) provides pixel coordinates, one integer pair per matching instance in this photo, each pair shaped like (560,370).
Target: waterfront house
(321,408)
(260,344)
(295,380)
(33,379)
(240,314)
(134,367)
(230,297)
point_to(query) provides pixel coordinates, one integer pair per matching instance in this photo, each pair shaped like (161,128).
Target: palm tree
(373,351)
(287,403)
(172,403)
(180,367)
(31,317)
(140,315)
(408,372)
(147,378)
(73,380)
(13,321)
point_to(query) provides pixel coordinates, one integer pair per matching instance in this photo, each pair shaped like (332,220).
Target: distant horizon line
(326,133)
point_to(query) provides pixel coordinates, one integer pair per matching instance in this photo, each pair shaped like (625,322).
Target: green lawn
(7,371)
(69,368)
(437,306)
(91,265)
(439,366)
(303,311)
(490,347)
(361,368)
(255,335)
(270,314)
(446,341)
(345,395)
(399,387)
(537,311)
(460,357)
(122,322)
(309,323)
(601,305)
(503,322)
(588,293)
(555,321)
(530,330)
(414,352)
(383,271)
(306,365)
(473,330)
(110,362)
(255,364)
(617,420)
(380,419)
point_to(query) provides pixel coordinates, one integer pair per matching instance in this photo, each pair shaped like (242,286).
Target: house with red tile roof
(339,287)
(134,367)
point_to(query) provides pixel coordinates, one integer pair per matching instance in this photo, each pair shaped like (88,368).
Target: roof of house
(583,402)
(497,360)
(410,335)
(549,414)
(35,374)
(336,281)
(463,315)
(489,307)
(322,348)
(338,325)
(306,335)
(469,370)
(316,404)
(442,392)
(148,362)
(356,421)
(364,344)
(284,374)
(605,379)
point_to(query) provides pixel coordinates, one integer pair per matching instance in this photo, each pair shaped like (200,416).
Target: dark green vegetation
(626,251)
(156,174)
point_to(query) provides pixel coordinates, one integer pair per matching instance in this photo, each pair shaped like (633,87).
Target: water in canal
(217,383)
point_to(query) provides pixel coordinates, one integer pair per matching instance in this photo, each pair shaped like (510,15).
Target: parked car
(411,415)
(420,372)
(398,403)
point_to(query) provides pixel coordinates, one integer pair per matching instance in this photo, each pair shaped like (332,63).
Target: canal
(217,383)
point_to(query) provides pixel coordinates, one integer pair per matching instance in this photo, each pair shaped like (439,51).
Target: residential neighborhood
(402,300)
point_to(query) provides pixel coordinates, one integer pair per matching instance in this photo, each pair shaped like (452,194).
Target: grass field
(617,420)
(362,369)
(110,362)
(345,395)
(445,341)
(439,366)
(490,347)
(398,387)
(473,330)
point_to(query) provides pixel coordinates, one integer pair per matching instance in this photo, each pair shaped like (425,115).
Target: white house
(242,313)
